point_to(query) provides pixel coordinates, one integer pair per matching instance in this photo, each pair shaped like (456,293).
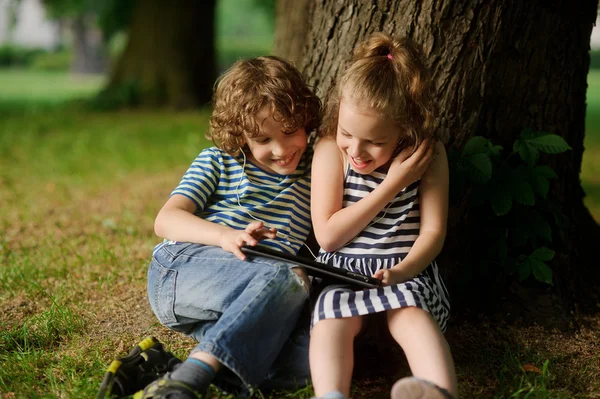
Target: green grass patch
(42,331)
(22,87)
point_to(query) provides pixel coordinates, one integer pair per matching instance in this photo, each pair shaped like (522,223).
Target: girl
(254,185)
(381,210)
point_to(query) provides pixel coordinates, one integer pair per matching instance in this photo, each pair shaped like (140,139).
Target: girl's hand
(407,169)
(391,276)
(233,240)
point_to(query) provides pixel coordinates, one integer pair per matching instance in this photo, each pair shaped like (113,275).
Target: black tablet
(314,268)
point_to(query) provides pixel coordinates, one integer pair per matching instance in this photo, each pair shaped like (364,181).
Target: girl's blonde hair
(387,75)
(249,86)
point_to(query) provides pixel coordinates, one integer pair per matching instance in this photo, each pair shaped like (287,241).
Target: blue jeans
(244,313)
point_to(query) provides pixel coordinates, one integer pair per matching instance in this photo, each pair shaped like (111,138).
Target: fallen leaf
(531,367)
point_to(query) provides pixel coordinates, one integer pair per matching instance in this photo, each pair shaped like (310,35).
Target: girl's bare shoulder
(327,149)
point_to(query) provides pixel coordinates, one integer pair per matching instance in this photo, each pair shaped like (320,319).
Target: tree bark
(170,55)
(291,28)
(498,66)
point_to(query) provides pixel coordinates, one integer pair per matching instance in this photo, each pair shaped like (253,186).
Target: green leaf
(524,269)
(541,271)
(540,185)
(479,167)
(527,133)
(501,201)
(476,145)
(548,143)
(528,153)
(521,191)
(545,171)
(542,254)
(495,151)
(539,176)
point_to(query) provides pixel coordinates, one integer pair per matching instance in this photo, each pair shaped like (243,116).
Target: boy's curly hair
(387,75)
(249,86)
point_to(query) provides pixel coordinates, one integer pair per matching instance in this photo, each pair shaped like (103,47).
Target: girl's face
(274,150)
(367,140)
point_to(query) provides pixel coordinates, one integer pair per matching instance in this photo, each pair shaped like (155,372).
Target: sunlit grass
(18,86)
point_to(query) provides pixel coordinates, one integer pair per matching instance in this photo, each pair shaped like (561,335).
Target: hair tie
(389,56)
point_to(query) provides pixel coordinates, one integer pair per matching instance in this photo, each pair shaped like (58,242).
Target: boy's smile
(274,150)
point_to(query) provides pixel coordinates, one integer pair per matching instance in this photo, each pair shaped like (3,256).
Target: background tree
(498,67)
(170,55)
(91,24)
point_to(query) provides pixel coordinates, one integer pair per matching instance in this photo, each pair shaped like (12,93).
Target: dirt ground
(493,358)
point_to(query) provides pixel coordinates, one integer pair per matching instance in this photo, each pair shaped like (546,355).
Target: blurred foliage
(15,56)
(595,59)
(34,58)
(112,16)
(244,29)
(52,61)
(267,7)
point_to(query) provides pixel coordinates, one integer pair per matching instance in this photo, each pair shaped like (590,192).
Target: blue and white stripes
(226,192)
(382,245)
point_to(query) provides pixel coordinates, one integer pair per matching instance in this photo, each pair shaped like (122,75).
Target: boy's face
(367,140)
(274,150)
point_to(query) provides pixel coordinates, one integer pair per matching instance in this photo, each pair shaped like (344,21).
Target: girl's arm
(335,226)
(433,203)
(176,221)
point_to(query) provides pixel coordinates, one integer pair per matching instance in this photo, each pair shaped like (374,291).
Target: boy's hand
(407,169)
(391,276)
(254,232)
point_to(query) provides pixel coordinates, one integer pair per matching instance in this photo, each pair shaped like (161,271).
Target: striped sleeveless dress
(381,245)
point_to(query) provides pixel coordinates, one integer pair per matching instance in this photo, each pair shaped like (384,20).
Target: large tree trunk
(291,28)
(170,56)
(498,67)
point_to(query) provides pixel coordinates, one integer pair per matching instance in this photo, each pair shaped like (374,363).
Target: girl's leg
(331,354)
(424,345)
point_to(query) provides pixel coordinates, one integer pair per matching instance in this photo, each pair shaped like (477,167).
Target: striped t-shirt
(226,192)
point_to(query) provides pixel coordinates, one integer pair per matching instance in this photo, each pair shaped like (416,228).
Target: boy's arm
(176,221)
(335,226)
(433,204)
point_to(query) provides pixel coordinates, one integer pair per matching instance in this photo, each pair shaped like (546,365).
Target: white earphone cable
(237,192)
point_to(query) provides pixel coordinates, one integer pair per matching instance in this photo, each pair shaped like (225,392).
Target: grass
(79,191)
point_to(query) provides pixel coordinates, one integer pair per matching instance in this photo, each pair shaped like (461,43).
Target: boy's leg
(241,312)
(332,354)
(424,345)
(291,369)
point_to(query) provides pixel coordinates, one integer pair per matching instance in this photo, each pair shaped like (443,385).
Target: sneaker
(145,363)
(166,388)
(415,388)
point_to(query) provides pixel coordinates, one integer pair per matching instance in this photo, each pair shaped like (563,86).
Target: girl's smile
(367,140)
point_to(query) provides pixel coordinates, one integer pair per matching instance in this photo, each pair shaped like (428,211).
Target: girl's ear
(399,147)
